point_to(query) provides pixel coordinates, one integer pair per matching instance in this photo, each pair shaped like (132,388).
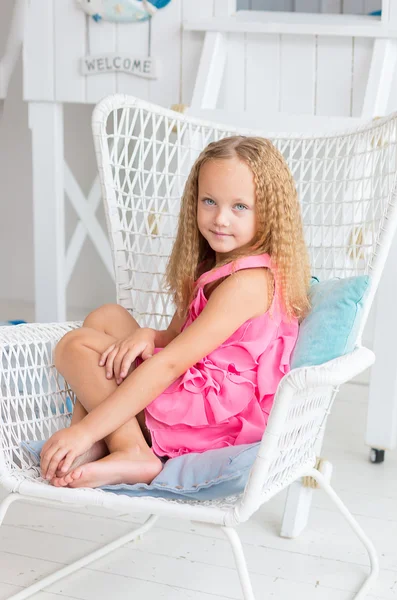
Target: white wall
(325,6)
(16,236)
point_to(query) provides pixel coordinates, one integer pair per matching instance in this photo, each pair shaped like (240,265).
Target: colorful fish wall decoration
(121,11)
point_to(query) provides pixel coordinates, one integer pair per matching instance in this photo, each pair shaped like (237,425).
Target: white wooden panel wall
(235,71)
(263,73)
(101,37)
(59,35)
(70,46)
(135,43)
(192,43)
(285,5)
(298,72)
(329,73)
(165,43)
(38,51)
(334,76)
(362,54)
(312,6)
(318,75)
(359,7)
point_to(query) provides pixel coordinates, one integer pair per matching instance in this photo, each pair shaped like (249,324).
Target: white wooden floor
(181,561)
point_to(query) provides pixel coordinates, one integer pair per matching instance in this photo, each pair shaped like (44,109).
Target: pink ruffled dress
(225,398)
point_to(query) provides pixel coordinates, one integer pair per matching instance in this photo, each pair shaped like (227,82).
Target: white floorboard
(180,560)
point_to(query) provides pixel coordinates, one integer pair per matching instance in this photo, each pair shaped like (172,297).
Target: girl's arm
(163,337)
(242,296)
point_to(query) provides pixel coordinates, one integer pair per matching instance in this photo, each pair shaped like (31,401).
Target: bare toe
(58,482)
(116,468)
(97,451)
(76,474)
(68,478)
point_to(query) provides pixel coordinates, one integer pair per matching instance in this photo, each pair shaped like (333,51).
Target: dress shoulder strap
(247,262)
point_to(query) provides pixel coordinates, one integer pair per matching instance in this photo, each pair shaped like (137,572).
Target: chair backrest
(144,153)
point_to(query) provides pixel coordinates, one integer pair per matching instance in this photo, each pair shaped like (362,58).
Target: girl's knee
(65,343)
(103,314)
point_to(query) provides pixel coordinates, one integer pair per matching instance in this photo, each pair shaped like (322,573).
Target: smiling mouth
(221,234)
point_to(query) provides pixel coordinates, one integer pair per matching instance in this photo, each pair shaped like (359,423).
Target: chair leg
(5,505)
(78,564)
(299,501)
(240,562)
(373,558)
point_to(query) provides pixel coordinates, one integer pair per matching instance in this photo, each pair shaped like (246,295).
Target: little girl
(239,276)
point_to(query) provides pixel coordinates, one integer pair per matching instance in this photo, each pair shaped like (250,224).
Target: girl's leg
(130,459)
(98,450)
(117,322)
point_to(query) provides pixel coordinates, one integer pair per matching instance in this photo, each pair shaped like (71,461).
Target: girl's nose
(222,219)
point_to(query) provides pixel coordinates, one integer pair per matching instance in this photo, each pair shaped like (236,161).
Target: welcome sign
(119,63)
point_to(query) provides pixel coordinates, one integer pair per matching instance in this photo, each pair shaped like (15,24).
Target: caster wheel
(376,456)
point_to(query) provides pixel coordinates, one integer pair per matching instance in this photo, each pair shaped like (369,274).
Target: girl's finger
(147,353)
(68,461)
(109,363)
(54,462)
(127,362)
(118,363)
(45,457)
(104,355)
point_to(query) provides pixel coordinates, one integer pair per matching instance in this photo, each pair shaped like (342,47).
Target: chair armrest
(303,401)
(35,400)
(32,333)
(334,372)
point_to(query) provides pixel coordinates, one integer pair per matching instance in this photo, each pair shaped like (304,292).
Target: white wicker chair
(346,187)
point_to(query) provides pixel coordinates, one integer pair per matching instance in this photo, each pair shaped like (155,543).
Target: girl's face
(226,215)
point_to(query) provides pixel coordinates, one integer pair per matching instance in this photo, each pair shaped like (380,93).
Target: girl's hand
(119,357)
(66,444)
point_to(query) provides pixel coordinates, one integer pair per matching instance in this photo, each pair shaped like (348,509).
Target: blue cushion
(330,329)
(212,474)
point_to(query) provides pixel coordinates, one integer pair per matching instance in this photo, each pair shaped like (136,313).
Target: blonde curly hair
(279,226)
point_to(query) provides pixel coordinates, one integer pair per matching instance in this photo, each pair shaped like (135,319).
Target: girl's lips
(221,234)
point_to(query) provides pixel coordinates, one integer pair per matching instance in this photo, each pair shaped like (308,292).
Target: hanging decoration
(120,63)
(120,11)
(160,3)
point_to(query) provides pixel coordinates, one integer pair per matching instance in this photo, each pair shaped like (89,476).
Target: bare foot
(98,450)
(118,467)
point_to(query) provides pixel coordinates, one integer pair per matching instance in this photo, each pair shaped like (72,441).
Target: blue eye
(242,206)
(208,201)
